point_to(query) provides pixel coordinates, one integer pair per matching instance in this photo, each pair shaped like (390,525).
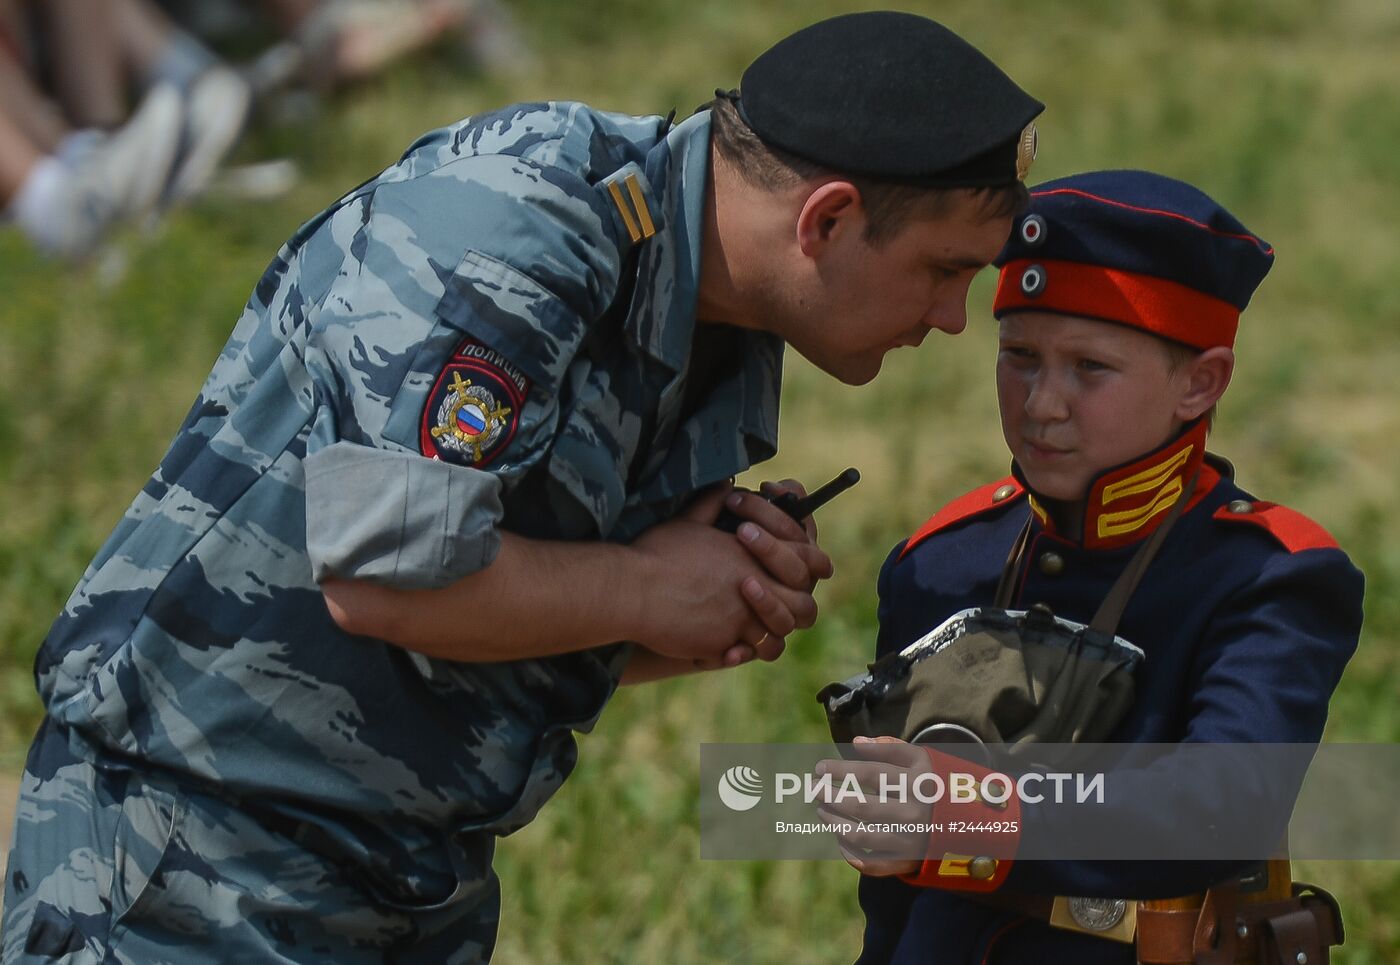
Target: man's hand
(789,554)
(715,598)
(880,854)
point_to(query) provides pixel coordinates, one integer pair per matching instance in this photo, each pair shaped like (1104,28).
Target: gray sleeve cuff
(398,518)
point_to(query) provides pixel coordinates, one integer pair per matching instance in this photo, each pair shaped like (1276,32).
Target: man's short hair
(889,205)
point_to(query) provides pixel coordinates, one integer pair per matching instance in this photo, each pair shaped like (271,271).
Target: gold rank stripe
(625,211)
(636,217)
(635,190)
(1116,524)
(1147,480)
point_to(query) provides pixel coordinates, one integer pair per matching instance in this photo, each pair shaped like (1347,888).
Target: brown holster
(1295,931)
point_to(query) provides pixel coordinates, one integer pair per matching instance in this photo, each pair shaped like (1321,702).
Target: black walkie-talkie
(798,507)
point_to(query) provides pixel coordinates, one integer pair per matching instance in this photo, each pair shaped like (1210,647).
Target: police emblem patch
(474,407)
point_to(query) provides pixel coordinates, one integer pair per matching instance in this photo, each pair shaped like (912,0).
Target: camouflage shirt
(497,332)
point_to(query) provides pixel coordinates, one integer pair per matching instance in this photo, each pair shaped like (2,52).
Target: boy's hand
(959,825)
(879,854)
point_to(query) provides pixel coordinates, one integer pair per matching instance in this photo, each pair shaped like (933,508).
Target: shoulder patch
(1291,528)
(474,407)
(980,500)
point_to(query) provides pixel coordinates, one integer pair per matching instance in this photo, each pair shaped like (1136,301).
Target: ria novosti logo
(740,788)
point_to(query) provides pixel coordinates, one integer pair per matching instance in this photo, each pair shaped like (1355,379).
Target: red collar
(1127,503)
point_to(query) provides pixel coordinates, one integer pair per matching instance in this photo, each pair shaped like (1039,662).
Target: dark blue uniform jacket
(1247,616)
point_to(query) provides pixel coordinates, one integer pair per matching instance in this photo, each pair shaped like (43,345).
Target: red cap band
(1152,304)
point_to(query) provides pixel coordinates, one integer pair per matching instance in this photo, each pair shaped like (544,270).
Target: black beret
(893,96)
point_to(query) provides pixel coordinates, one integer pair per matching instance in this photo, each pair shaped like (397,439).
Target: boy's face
(1079,396)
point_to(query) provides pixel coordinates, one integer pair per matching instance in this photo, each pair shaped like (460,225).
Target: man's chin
(854,371)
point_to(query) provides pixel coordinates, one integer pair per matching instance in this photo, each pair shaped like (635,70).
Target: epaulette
(991,496)
(1291,528)
(630,193)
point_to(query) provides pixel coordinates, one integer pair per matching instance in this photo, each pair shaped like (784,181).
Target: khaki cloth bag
(996,676)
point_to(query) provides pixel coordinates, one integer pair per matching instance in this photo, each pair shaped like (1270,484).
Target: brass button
(982,867)
(1240,506)
(1052,564)
(1004,493)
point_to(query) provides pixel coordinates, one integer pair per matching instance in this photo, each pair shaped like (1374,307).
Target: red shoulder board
(1291,528)
(990,496)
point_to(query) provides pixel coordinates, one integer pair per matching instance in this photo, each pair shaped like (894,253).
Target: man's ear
(1207,377)
(833,209)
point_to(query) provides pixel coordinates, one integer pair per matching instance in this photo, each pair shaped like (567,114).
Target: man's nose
(948,318)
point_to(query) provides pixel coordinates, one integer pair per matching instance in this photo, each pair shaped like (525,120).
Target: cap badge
(1033,281)
(1033,230)
(1026,151)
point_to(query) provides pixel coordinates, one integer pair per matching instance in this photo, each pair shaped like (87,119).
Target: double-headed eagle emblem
(469,420)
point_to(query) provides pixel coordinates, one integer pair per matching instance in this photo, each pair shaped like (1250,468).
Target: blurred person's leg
(290,14)
(351,40)
(18,158)
(86,60)
(335,42)
(156,49)
(12,26)
(27,108)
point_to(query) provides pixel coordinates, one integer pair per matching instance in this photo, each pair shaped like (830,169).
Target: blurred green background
(1288,111)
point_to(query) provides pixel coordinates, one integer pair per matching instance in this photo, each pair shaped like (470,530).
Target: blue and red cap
(1135,248)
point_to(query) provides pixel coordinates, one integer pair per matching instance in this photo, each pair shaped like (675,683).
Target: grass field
(1288,111)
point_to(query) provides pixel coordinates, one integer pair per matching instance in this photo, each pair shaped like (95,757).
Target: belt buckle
(1112,918)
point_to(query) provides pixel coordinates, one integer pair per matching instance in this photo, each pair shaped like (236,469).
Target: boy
(1119,298)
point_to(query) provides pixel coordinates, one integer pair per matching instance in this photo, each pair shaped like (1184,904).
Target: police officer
(448,459)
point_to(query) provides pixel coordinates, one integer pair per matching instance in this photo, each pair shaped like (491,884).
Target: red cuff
(974,841)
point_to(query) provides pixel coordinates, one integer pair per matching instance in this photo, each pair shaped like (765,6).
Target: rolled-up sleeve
(396,518)
(405,348)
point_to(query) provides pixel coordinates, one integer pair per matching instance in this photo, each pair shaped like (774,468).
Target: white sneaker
(99,180)
(139,155)
(214,114)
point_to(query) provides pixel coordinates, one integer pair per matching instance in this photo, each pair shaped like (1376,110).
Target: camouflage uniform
(222,767)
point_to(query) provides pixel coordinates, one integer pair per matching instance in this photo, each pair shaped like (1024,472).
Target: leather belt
(1106,918)
(1263,933)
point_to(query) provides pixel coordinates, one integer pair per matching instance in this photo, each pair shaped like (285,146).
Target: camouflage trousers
(111,866)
